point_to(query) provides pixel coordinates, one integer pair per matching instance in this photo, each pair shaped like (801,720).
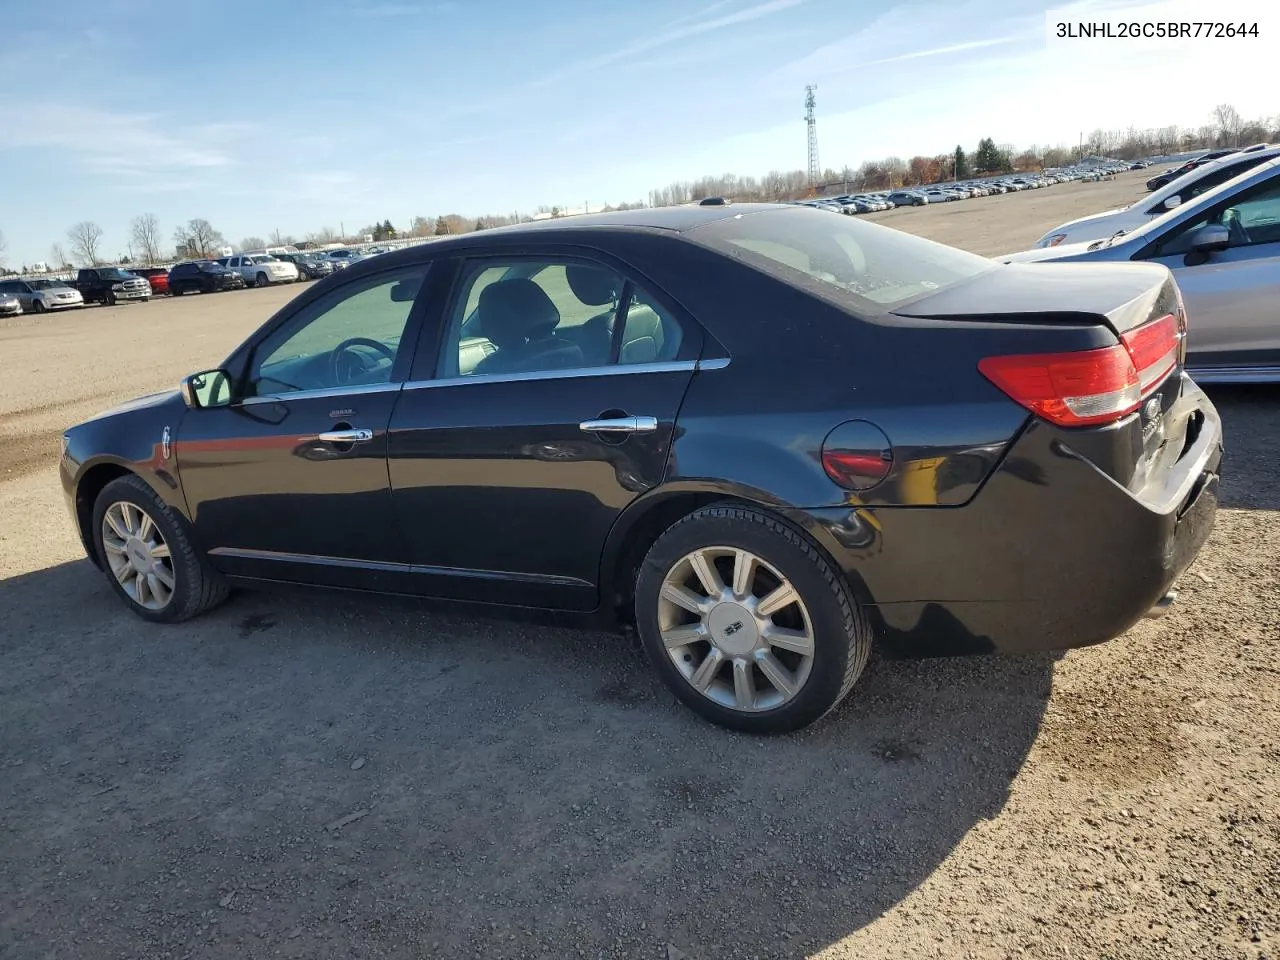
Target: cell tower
(811,120)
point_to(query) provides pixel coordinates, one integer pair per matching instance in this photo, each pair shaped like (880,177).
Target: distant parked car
(908,198)
(203,276)
(341,259)
(1187,187)
(158,277)
(37,296)
(110,285)
(1223,248)
(10,306)
(310,266)
(261,269)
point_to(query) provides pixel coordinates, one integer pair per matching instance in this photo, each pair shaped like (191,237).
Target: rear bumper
(1052,553)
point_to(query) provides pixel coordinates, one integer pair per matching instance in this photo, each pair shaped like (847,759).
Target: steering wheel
(346,363)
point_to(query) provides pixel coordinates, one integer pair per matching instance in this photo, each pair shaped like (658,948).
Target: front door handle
(620,425)
(346,436)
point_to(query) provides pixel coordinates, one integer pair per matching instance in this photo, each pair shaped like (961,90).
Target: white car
(1147,208)
(261,269)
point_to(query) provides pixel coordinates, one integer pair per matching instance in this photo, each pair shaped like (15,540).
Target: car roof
(677,218)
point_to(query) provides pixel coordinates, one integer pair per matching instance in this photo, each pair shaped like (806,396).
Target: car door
(549,406)
(289,480)
(1233,313)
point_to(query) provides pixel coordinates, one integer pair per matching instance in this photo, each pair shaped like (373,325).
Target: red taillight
(1087,387)
(1154,348)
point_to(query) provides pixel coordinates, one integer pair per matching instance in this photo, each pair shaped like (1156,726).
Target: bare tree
(252,243)
(86,239)
(1227,119)
(198,238)
(323,235)
(57,257)
(145,233)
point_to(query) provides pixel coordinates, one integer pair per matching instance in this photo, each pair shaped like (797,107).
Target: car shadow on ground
(318,775)
(1250,480)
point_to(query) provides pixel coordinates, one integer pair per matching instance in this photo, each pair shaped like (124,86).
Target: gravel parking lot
(312,775)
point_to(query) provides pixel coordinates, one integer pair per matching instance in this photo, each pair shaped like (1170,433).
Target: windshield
(115,273)
(47,284)
(876,267)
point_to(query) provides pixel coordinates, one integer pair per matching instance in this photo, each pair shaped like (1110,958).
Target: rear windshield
(867,267)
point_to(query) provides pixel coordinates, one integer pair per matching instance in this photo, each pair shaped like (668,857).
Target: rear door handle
(620,425)
(346,436)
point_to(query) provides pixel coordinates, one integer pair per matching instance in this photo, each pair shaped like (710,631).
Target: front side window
(530,316)
(350,338)
(871,268)
(1252,218)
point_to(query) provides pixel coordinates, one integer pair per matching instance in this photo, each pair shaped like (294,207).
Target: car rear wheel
(261,280)
(148,555)
(747,622)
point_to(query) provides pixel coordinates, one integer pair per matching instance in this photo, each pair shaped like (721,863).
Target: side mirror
(210,388)
(1173,201)
(1210,238)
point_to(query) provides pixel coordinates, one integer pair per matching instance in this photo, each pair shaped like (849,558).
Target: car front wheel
(148,556)
(747,622)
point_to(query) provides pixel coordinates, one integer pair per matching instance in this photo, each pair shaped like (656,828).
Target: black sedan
(762,435)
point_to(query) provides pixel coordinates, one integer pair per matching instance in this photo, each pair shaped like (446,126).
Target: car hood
(1063,251)
(141,403)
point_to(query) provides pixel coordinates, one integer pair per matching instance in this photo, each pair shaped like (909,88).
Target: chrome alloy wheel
(736,629)
(138,555)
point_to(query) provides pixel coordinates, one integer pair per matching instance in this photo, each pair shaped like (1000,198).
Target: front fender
(137,438)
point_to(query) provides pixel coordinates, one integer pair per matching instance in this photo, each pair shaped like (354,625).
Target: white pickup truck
(261,269)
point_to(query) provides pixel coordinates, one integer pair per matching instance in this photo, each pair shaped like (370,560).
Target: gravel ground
(312,775)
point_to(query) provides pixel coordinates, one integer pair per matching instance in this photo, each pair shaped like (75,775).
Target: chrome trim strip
(1234,374)
(352,391)
(715,363)
(390,567)
(573,373)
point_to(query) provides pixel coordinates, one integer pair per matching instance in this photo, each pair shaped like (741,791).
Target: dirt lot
(312,776)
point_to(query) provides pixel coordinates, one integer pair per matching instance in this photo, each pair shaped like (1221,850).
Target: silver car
(10,306)
(1176,192)
(38,296)
(1224,250)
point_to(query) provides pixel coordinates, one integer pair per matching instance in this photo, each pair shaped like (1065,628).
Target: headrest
(513,311)
(591,284)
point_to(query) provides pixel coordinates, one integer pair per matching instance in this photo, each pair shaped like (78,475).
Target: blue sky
(298,114)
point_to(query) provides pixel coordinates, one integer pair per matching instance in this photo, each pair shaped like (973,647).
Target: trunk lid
(1121,296)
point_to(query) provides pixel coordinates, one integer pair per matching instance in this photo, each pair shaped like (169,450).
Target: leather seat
(646,332)
(519,318)
(595,287)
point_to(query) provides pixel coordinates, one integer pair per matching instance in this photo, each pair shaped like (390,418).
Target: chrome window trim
(353,391)
(573,373)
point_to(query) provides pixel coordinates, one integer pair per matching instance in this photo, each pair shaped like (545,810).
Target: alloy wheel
(736,629)
(138,555)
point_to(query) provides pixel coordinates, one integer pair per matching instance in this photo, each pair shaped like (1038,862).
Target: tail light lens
(1088,387)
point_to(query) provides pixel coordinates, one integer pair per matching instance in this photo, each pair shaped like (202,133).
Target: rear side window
(867,267)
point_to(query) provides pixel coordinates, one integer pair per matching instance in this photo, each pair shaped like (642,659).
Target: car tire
(727,670)
(37,306)
(108,299)
(261,280)
(196,587)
